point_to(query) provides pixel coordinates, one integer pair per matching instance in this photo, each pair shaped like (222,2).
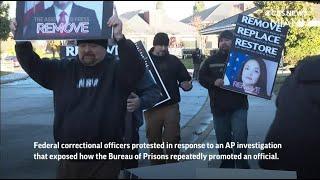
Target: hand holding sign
(133,102)
(186,85)
(116,23)
(219,82)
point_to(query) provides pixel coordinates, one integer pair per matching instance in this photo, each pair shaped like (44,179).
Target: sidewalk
(190,104)
(191,101)
(261,114)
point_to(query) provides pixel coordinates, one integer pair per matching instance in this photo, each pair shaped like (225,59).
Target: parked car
(13,59)
(187,53)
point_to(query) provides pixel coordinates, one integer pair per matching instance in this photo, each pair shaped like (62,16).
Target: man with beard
(163,121)
(90,94)
(229,108)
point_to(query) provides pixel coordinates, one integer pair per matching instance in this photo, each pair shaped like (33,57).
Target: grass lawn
(187,63)
(2,73)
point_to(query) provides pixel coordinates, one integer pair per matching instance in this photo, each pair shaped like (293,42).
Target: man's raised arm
(43,71)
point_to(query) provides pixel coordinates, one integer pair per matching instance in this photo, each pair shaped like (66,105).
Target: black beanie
(226,34)
(101,42)
(161,39)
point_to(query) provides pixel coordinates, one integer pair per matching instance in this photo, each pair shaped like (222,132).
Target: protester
(229,108)
(297,121)
(163,121)
(90,94)
(196,59)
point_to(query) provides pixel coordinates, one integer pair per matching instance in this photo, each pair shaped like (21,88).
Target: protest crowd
(102,100)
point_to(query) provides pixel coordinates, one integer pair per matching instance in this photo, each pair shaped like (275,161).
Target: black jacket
(297,121)
(221,100)
(76,11)
(89,102)
(172,73)
(196,57)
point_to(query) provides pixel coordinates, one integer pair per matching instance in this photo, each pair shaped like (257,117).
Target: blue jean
(231,126)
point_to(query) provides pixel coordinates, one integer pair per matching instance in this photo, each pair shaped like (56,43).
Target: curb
(196,114)
(13,80)
(144,163)
(199,138)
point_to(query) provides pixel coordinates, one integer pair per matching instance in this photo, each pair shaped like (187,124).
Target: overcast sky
(177,10)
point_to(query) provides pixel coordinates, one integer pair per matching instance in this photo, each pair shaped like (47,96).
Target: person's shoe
(227,164)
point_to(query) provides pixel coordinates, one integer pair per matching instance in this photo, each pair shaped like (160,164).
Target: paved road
(260,116)
(27,117)
(201,130)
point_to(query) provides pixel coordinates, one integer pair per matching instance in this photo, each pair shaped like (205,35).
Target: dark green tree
(302,40)
(4,23)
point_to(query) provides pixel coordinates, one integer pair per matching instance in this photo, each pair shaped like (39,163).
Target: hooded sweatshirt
(297,122)
(221,100)
(89,102)
(172,73)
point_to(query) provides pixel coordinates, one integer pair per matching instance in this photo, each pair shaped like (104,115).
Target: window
(209,44)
